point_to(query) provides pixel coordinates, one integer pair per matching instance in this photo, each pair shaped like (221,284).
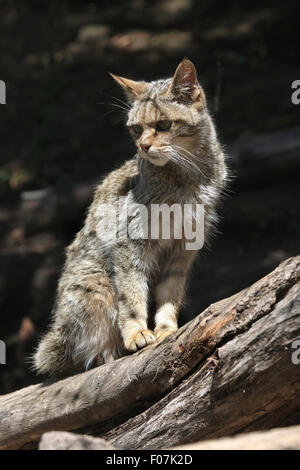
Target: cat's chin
(156,160)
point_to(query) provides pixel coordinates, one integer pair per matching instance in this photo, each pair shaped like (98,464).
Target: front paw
(162,333)
(139,339)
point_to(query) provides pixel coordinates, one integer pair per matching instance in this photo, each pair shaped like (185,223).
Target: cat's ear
(131,88)
(184,86)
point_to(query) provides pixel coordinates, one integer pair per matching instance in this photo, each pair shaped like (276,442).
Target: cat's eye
(137,129)
(163,125)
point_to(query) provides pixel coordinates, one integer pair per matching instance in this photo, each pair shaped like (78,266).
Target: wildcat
(101,308)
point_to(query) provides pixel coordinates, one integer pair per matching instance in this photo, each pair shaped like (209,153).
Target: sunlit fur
(101,309)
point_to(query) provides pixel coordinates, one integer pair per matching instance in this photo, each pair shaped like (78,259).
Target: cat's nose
(145,147)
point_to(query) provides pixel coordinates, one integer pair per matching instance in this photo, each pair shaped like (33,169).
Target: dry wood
(227,370)
(250,382)
(274,439)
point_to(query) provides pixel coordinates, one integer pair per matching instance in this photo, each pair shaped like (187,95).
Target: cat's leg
(85,327)
(169,293)
(133,296)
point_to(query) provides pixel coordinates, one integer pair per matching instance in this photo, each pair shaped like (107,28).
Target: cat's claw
(139,340)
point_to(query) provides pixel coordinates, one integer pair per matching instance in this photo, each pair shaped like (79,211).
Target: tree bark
(228,370)
(249,382)
(274,439)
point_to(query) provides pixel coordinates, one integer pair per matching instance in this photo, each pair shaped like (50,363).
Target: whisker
(116,106)
(187,162)
(183,162)
(115,98)
(190,164)
(191,154)
(111,111)
(121,101)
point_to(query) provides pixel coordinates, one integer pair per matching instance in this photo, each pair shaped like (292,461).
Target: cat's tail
(51,356)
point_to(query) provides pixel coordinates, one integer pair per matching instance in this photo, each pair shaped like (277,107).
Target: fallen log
(249,382)
(226,371)
(274,439)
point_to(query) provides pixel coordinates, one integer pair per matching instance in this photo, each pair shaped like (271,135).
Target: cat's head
(165,116)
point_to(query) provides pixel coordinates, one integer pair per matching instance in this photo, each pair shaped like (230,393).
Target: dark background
(57,141)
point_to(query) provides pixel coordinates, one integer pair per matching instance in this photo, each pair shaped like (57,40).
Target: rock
(57,440)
